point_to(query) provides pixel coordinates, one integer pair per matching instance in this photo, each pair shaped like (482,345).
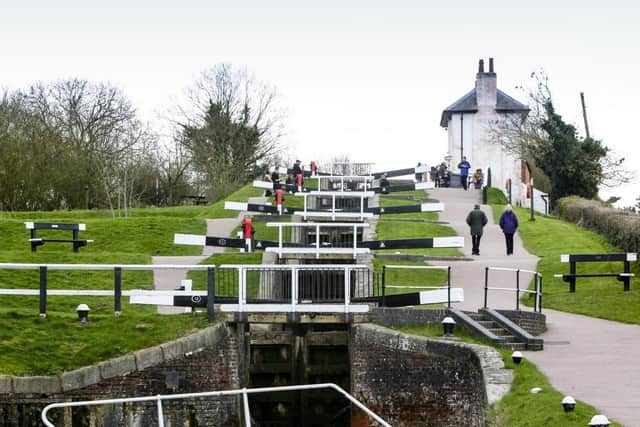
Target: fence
(335,210)
(260,288)
(300,288)
(349,168)
(245,392)
(117,291)
(537,277)
(318,238)
(343,182)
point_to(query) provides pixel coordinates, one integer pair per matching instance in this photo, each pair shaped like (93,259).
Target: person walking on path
(464,167)
(476,221)
(509,225)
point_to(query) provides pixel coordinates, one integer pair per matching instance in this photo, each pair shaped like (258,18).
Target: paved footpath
(170,279)
(593,360)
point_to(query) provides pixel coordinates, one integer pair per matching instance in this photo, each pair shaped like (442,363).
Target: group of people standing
(441,176)
(477,219)
(477,178)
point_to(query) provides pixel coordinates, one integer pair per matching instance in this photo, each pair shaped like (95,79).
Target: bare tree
(99,125)
(174,170)
(231,125)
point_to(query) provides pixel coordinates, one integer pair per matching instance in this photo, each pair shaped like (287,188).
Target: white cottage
(469,122)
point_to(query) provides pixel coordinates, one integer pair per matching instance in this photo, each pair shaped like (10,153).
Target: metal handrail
(317,247)
(362,195)
(24,266)
(367,181)
(537,277)
(294,305)
(244,392)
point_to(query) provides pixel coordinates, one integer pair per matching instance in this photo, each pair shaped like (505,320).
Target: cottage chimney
(486,87)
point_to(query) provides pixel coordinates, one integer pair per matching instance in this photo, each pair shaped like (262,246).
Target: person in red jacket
(247,233)
(279,199)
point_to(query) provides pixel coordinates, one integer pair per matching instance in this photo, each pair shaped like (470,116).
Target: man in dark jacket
(476,220)
(509,225)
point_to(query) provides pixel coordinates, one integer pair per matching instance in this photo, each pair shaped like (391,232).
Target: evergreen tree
(574,166)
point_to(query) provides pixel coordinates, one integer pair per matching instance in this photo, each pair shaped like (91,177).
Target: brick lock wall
(534,323)
(406,316)
(184,370)
(410,381)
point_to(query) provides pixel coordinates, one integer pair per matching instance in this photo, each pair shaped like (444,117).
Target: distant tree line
(76,144)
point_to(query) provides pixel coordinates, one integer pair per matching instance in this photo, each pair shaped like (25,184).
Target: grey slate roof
(469,104)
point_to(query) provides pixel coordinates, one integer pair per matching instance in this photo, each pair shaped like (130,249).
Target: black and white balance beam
(437,296)
(404,187)
(402,172)
(253,207)
(426,243)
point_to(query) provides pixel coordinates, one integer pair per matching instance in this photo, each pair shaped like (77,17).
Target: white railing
(296,304)
(334,213)
(317,248)
(537,277)
(362,182)
(244,392)
(349,168)
(116,292)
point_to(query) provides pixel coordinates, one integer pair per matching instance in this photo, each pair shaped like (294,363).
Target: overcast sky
(367,79)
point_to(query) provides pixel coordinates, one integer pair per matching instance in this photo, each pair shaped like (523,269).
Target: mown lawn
(520,407)
(59,342)
(548,238)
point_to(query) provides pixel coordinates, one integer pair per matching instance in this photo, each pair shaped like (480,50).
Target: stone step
(477,316)
(489,324)
(499,332)
(515,346)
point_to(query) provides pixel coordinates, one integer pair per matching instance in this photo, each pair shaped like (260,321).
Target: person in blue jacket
(509,225)
(464,167)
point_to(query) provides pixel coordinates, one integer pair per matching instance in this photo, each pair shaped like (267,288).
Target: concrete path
(171,279)
(591,359)
(166,280)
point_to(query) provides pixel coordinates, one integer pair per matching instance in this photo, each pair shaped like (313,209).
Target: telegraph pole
(584,114)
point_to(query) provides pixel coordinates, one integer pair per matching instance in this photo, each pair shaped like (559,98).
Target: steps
(507,339)
(496,328)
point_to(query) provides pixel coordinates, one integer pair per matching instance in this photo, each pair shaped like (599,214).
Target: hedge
(621,228)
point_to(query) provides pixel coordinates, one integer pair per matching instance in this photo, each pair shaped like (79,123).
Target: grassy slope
(548,238)
(58,342)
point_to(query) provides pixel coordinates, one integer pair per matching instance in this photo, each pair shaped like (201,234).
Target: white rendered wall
(481,150)
(468,125)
